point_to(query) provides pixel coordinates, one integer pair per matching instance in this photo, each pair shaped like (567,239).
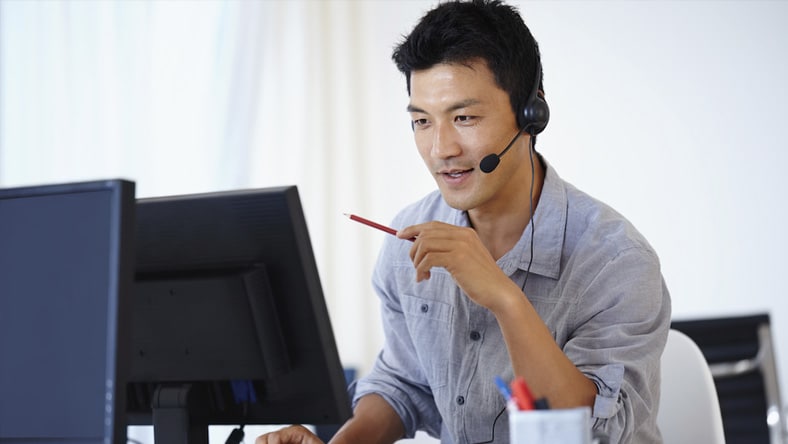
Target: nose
(445,142)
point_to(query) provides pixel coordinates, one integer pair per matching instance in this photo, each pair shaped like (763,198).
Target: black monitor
(66,270)
(229,321)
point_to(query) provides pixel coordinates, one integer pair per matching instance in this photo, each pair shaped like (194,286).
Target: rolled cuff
(608,380)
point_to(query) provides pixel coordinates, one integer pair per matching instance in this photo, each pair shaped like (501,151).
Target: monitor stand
(171,419)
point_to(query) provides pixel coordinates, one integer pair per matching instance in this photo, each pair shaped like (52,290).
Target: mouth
(455,174)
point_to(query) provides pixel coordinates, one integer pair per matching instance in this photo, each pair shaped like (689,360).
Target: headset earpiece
(535,113)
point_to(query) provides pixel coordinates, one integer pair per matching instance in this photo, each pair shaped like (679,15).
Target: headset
(532,120)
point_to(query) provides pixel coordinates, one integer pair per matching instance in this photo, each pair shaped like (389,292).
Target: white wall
(670,111)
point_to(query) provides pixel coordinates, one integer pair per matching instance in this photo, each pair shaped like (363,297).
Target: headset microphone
(491,161)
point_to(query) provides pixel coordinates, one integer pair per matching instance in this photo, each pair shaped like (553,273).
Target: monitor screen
(230,322)
(66,268)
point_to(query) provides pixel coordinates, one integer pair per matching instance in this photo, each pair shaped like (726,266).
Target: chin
(462,199)
(461,203)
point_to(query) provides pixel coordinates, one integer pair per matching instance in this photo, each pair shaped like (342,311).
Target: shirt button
(425,308)
(475,335)
(460,400)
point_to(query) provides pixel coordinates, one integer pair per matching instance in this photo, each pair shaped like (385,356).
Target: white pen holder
(558,426)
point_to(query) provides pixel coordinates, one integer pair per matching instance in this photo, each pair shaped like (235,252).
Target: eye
(464,119)
(418,123)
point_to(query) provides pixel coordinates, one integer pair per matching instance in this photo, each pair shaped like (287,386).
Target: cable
(236,436)
(530,210)
(528,270)
(492,439)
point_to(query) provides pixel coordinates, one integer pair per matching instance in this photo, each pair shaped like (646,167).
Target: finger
(295,434)
(418,230)
(411,232)
(431,260)
(428,245)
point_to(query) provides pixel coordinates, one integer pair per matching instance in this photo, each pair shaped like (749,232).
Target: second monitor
(229,323)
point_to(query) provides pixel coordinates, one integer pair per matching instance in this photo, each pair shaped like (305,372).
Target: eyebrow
(459,105)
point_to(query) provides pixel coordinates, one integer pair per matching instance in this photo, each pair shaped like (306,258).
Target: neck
(501,228)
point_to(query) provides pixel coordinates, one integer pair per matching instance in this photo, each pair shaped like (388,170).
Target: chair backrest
(740,351)
(689,409)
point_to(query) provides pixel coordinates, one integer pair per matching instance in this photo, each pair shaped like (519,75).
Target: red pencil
(369,223)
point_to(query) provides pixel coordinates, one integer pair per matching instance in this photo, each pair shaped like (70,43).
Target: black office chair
(741,356)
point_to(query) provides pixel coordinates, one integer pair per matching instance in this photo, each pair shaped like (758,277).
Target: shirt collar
(550,222)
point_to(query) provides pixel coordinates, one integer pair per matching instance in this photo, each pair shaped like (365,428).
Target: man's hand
(460,251)
(294,434)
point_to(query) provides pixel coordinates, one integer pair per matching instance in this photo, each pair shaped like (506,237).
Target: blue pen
(507,394)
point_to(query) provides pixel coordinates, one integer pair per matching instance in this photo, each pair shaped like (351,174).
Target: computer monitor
(229,321)
(66,270)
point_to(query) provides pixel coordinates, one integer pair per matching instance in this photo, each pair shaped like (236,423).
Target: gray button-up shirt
(596,283)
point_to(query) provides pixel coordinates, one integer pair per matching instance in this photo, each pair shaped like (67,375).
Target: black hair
(461,31)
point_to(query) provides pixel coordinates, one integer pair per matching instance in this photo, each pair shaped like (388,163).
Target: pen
(541,404)
(369,223)
(511,405)
(522,395)
(507,394)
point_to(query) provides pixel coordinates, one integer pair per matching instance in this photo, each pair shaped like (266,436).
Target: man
(511,271)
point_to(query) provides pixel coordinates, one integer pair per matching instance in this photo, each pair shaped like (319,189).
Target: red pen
(376,225)
(522,394)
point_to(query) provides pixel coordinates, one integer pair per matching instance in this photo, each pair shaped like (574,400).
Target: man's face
(459,116)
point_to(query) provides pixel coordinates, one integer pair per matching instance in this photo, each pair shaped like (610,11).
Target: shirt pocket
(430,327)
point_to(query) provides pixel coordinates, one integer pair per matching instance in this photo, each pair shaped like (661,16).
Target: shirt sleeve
(396,374)
(623,317)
